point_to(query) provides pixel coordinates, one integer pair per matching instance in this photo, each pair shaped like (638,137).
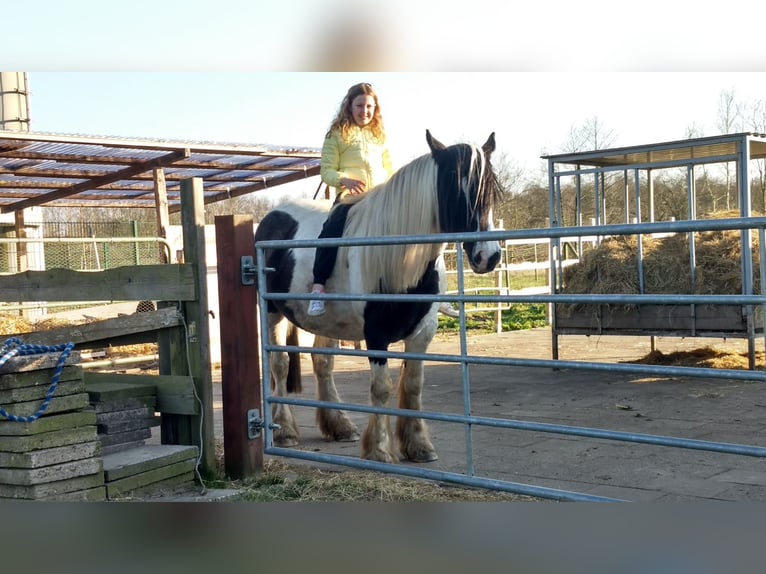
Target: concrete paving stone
(125,426)
(107,440)
(48,423)
(733,432)
(111,449)
(44,440)
(210,495)
(97,494)
(49,456)
(52,489)
(58,404)
(755,477)
(744,492)
(127,414)
(52,473)
(123,404)
(685,487)
(38,393)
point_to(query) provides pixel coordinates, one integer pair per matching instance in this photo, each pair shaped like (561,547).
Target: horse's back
(293,219)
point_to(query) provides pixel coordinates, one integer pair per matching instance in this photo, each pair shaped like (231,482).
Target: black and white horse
(449,190)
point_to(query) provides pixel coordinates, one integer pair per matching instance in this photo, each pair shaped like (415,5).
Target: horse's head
(468,190)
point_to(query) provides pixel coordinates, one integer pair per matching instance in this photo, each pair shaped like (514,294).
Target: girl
(355,158)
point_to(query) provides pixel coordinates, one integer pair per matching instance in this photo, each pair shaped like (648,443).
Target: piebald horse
(452,189)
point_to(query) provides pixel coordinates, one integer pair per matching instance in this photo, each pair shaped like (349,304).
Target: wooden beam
(137,283)
(175,394)
(125,173)
(259,186)
(65,172)
(13,140)
(106,331)
(240,365)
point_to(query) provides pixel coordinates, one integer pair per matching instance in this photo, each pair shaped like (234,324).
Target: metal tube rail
(450,477)
(499,235)
(642,438)
(464,360)
(633,369)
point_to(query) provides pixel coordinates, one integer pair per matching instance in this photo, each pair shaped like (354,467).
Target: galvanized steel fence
(747,300)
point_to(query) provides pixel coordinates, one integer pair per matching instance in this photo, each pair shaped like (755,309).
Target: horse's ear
(433,143)
(489,145)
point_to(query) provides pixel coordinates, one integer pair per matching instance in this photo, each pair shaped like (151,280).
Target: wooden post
(240,365)
(21,250)
(191,349)
(163,217)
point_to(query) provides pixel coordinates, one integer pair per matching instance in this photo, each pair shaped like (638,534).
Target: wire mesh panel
(80,246)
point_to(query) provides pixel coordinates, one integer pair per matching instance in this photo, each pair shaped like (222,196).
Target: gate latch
(247,269)
(254,423)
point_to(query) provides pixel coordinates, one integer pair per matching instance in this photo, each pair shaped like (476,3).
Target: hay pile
(15,325)
(703,357)
(613,266)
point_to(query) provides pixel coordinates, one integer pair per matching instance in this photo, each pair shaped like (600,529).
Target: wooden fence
(180,325)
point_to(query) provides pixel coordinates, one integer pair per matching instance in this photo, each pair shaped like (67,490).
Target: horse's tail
(294,384)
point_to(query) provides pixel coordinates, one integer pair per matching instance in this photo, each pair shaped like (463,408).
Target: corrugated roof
(60,170)
(678,152)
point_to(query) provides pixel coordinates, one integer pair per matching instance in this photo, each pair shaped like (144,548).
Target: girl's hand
(353,186)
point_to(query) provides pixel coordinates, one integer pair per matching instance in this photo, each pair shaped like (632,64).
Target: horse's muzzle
(483,257)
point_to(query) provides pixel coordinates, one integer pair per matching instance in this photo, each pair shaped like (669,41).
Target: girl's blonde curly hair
(344,120)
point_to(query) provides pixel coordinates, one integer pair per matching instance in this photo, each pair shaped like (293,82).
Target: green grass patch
(518,317)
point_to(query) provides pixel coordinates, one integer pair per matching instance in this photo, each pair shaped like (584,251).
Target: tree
(511,177)
(756,122)
(592,134)
(728,121)
(531,208)
(255,204)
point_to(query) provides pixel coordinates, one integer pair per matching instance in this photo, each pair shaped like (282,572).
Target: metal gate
(473,424)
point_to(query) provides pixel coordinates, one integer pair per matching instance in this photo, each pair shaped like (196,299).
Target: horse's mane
(406,204)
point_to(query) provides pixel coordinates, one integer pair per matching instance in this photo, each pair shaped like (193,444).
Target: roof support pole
(188,352)
(161,206)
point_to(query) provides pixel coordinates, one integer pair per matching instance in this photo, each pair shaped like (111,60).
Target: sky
(236,71)
(531,113)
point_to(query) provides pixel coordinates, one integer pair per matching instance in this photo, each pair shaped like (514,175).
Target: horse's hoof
(422,456)
(348,437)
(380,456)
(285,441)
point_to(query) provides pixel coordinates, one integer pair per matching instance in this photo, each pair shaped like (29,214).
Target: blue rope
(13,347)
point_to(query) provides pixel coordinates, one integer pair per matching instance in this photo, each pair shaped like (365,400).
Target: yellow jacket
(360,157)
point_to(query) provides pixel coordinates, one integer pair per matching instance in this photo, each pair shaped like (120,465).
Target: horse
(452,189)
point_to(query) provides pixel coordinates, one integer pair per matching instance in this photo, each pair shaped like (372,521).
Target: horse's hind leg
(411,432)
(333,424)
(286,433)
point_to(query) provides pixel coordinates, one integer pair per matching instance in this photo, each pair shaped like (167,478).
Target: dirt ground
(718,410)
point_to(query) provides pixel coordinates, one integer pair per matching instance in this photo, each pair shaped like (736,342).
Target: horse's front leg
(334,424)
(286,433)
(411,432)
(377,441)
